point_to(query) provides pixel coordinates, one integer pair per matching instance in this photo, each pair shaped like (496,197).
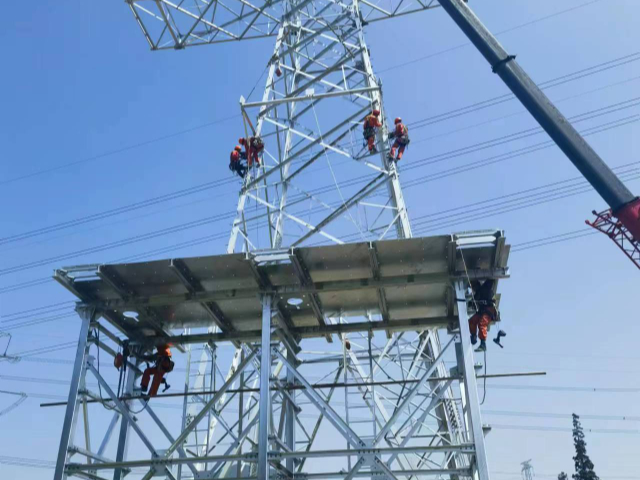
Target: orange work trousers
(158,375)
(371,141)
(478,325)
(252,157)
(397,144)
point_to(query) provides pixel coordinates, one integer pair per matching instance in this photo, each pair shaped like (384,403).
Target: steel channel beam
(265,391)
(278,455)
(125,427)
(71,413)
(309,332)
(291,289)
(471,387)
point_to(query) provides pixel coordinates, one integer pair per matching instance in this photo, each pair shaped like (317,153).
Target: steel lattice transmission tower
(379,402)
(527,470)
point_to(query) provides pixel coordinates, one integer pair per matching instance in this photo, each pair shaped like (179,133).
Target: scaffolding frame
(395,391)
(402,413)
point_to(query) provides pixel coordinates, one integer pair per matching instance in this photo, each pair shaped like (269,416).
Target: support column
(71,414)
(470,391)
(290,418)
(265,396)
(185,401)
(125,426)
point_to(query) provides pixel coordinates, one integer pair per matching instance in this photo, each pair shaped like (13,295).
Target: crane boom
(624,206)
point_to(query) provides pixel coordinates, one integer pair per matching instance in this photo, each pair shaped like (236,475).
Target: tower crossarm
(173,24)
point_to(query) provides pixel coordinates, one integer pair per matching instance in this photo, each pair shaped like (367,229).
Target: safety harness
(404,138)
(257,143)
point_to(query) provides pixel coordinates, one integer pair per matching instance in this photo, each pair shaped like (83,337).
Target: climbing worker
(235,162)
(253,149)
(162,365)
(401,136)
(484,303)
(371,123)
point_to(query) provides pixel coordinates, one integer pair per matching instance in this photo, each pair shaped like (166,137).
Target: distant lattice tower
(527,470)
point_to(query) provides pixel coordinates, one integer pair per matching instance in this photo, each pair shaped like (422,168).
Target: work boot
(482,347)
(474,339)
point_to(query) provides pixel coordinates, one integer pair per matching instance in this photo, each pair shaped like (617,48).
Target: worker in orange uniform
(235,162)
(253,149)
(401,136)
(486,312)
(371,124)
(162,365)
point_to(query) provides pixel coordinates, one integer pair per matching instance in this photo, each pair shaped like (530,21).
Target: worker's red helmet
(398,120)
(238,148)
(241,141)
(376,113)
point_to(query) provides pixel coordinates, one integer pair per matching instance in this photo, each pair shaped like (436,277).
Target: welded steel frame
(168,24)
(267,438)
(320,58)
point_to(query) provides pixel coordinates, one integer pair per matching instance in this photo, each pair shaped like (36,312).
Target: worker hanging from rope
(253,148)
(235,162)
(162,365)
(401,136)
(371,124)
(486,312)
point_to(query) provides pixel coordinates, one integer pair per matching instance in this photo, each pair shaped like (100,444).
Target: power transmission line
(210,185)
(117,151)
(507,413)
(539,428)
(510,29)
(219,217)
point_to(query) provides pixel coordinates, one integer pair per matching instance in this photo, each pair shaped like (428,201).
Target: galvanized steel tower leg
(71,413)
(470,391)
(290,418)
(125,427)
(265,396)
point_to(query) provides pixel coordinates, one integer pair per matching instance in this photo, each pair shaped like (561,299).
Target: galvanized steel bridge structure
(312,349)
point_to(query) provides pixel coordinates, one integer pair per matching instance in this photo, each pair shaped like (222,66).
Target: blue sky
(79,82)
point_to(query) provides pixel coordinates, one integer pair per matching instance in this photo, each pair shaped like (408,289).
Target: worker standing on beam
(486,312)
(235,161)
(371,124)
(162,365)
(401,136)
(253,148)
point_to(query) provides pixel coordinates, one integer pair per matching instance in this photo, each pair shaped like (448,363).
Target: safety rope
(258,81)
(484,384)
(102,400)
(466,272)
(333,175)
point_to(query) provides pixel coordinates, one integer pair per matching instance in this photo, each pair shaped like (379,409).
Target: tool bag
(257,143)
(368,132)
(404,138)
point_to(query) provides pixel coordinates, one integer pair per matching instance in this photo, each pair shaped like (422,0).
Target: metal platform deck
(390,285)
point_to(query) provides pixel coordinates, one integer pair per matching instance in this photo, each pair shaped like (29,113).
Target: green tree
(584,465)
(563,476)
